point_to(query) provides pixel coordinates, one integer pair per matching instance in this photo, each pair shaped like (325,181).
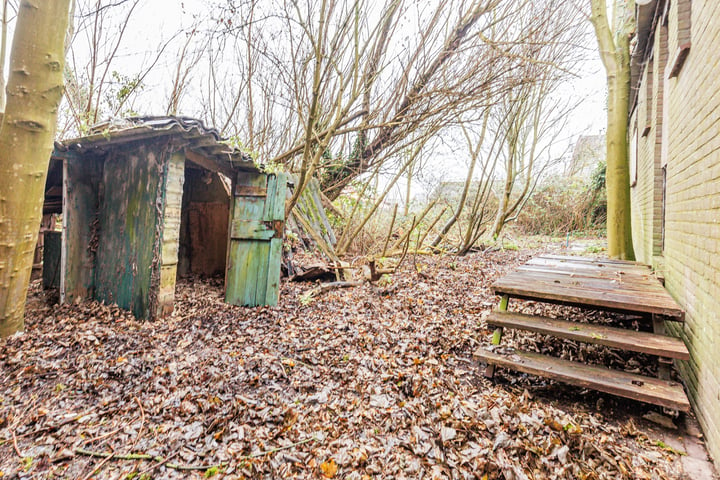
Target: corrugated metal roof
(198,138)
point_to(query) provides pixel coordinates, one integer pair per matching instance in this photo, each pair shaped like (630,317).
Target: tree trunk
(3,44)
(408,187)
(619,229)
(34,90)
(474,154)
(614,46)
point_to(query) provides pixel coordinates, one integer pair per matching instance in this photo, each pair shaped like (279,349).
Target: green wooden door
(257,222)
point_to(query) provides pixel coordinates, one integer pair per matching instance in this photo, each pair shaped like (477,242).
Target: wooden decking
(612,285)
(601,283)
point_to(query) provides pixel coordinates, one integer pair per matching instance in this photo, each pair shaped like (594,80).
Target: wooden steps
(631,340)
(602,284)
(637,387)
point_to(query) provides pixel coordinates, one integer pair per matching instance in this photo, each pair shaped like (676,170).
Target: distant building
(451,192)
(588,152)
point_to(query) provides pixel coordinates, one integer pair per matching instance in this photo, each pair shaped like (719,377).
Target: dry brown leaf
(329,468)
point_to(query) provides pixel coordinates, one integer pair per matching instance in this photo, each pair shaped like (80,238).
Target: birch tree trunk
(34,90)
(614,48)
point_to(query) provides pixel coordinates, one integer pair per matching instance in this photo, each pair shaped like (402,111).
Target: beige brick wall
(691,257)
(647,193)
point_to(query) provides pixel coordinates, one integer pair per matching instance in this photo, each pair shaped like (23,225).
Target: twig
(15,445)
(175,466)
(277,449)
(145,456)
(65,422)
(142,422)
(101,437)
(159,464)
(100,465)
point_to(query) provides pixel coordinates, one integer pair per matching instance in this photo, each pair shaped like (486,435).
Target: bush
(566,205)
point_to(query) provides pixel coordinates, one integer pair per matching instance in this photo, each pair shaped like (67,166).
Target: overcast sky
(155,22)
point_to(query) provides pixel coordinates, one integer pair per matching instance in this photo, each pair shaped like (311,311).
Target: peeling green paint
(127,220)
(253,273)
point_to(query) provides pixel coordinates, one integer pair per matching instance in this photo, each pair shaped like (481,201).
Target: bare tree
(95,87)
(474,150)
(350,88)
(188,59)
(337,88)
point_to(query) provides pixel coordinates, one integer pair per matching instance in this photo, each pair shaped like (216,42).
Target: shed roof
(202,142)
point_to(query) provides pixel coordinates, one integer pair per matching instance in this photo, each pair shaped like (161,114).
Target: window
(681,34)
(648,96)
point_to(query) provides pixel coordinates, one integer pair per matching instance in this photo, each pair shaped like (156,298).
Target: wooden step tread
(634,341)
(616,382)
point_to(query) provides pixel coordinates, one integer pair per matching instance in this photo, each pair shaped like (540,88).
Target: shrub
(566,205)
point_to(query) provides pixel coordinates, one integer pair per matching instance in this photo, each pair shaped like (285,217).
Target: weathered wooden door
(257,222)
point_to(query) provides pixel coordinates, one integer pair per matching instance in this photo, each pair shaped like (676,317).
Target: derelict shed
(152,198)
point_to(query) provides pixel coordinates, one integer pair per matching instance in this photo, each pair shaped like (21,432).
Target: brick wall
(691,256)
(647,194)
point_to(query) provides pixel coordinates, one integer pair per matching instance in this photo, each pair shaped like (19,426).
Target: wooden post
(497,334)
(664,363)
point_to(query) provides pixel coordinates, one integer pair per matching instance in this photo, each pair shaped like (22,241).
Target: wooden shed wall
(128,219)
(80,227)
(172,192)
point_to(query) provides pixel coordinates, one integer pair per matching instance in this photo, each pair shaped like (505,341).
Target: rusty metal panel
(250,191)
(250,230)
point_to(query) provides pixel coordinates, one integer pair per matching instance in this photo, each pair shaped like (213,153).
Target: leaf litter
(376,381)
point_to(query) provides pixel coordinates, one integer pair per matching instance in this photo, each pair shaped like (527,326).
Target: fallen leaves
(368,382)
(329,468)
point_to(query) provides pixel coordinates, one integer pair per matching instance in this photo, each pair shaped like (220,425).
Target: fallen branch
(278,449)
(103,436)
(145,456)
(99,467)
(157,465)
(325,287)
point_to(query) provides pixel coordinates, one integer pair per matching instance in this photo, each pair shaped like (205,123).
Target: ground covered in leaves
(376,381)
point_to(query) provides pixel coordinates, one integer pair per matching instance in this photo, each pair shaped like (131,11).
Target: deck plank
(637,387)
(598,283)
(631,340)
(597,272)
(593,260)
